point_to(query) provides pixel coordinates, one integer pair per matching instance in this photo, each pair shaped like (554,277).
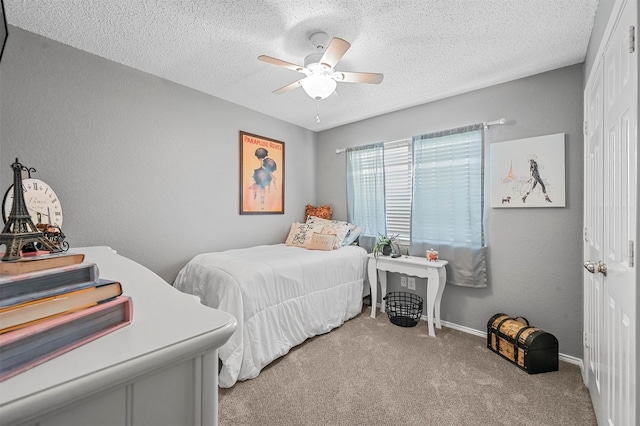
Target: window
(397,185)
(430,191)
(448,204)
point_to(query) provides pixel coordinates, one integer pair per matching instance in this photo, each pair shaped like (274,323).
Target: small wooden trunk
(530,348)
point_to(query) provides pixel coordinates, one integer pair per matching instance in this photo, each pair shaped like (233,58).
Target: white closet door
(610,226)
(593,241)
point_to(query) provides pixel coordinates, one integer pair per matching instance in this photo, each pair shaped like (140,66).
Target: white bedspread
(280,296)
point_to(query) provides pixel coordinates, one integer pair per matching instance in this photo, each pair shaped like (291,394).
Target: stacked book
(52,304)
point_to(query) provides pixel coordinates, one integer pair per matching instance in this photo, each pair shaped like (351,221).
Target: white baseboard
(458,327)
(563,357)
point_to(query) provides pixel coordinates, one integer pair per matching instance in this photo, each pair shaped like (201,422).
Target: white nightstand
(434,272)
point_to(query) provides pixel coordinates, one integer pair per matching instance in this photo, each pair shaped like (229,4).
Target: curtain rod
(341,150)
(486,125)
(499,121)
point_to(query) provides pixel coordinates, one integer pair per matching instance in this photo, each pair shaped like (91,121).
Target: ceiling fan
(320,77)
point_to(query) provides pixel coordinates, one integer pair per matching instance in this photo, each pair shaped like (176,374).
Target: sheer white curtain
(365,191)
(448,202)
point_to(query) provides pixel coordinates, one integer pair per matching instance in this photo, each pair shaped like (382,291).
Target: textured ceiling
(426,49)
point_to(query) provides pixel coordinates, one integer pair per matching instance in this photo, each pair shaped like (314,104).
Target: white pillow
(316,219)
(338,227)
(300,234)
(352,236)
(340,231)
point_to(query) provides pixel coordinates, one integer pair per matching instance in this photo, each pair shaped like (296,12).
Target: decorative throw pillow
(300,234)
(352,236)
(339,227)
(340,231)
(316,219)
(324,242)
(323,212)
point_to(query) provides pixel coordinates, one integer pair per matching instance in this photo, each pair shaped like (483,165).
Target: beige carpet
(371,372)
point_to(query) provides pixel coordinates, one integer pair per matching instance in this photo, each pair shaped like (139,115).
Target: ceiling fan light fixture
(318,86)
(321,79)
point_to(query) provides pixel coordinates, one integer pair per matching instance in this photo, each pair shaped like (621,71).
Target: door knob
(590,266)
(596,267)
(602,268)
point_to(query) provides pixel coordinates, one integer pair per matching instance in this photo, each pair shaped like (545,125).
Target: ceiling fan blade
(335,51)
(287,88)
(280,63)
(361,77)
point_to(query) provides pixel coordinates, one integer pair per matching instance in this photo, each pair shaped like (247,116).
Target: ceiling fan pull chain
(318,111)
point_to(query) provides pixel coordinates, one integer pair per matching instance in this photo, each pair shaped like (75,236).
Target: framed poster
(4,32)
(261,175)
(528,172)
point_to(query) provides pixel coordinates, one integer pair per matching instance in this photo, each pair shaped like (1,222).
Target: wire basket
(404,309)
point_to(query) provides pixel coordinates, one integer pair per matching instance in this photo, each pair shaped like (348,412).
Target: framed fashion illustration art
(4,31)
(528,172)
(261,175)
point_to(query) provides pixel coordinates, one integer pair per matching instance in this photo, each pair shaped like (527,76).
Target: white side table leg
(432,293)
(442,280)
(373,284)
(383,290)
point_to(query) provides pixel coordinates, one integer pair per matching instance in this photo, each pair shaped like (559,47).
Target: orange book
(25,314)
(25,348)
(33,263)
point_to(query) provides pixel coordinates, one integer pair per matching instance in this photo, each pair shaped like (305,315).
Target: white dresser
(162,369)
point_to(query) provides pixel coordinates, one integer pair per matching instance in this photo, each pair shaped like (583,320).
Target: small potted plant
(386,245)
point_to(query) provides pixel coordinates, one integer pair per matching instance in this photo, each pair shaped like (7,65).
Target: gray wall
(143,165)
(534,253)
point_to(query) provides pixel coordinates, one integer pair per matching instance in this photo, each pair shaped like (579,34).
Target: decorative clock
(42,203)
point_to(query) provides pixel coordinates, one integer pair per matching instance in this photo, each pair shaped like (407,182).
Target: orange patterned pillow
(323,212)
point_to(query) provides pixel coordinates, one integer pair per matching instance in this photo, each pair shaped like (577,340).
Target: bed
(280,295)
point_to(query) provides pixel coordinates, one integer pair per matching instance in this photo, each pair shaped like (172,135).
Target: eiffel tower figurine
(19,229)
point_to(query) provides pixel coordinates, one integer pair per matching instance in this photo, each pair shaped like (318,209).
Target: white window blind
(448,198)
(397,183)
